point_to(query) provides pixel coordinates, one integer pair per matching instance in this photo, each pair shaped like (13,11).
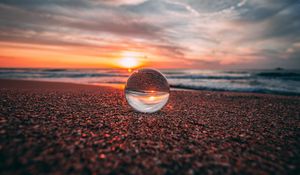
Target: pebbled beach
(61,128)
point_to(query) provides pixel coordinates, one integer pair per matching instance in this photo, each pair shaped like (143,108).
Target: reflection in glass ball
(147,90)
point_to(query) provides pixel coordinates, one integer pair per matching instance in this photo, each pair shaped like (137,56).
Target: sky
(204,34)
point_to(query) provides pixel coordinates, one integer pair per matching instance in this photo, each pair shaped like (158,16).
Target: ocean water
(260,81)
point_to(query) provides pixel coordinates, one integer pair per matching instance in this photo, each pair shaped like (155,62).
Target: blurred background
(230,45)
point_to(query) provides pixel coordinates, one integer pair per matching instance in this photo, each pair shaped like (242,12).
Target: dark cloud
(151,7)
(121,2)
(256,11)
(16,20)
(37,3)
(285,24)
(209,6)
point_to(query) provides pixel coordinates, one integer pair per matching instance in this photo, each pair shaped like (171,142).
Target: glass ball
(147,90)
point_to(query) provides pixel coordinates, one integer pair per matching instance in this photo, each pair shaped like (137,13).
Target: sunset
(131,60)
(170,34)
(149,87)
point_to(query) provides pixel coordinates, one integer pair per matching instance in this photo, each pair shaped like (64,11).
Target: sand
(60,128)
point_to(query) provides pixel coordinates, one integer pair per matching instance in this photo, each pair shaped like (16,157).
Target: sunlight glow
(152,98)
(130,60)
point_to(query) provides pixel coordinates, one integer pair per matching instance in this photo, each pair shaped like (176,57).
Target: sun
(130,60)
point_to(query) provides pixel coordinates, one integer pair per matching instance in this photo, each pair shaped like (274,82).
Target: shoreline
(172,88)
(265,81)
(64,128)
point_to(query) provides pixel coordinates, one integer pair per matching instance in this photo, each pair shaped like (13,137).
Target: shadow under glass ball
(147,90)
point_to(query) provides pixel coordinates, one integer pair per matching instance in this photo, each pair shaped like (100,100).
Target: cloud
(192,32)
(121,2)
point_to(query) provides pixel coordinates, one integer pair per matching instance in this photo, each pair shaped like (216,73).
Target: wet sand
(60,128)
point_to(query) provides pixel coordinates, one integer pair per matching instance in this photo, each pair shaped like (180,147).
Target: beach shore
(61,128)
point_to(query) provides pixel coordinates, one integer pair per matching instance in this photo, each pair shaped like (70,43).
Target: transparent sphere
(147,90)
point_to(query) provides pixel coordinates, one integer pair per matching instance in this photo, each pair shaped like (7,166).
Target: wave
(56,75)
(280,75)
(251,90)
(54,70)
(261,81)
(240,76)
(207,77)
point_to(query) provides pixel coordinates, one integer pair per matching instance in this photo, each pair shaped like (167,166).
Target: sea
(271,81)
